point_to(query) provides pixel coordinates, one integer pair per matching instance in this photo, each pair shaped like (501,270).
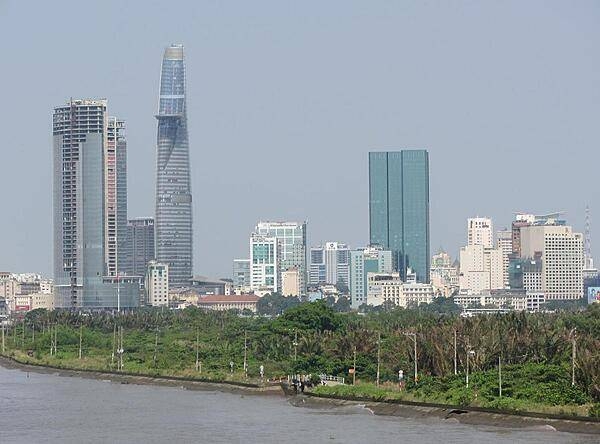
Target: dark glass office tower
(399,208)
(139,247)
(173,222)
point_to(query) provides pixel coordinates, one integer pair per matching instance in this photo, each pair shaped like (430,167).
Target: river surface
(37,407)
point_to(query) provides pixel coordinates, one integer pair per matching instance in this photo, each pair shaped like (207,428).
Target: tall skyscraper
(292,240)
(329,264)
(115,194)
(87,191)
(173,223)
(399,208)
(139,247)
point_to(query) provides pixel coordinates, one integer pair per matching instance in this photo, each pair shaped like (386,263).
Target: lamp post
(413,336)
(354,368)
(378,355)
(469,353)
(295,345)
(500,376)
(455,355)
(573,351)
(245,354)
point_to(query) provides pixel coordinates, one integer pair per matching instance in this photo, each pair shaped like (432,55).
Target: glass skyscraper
(139,247)
(399,208)
(173,222)
(89,203)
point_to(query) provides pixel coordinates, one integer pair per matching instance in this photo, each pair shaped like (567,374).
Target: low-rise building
(206,285)
(389,288)
(183,296)
(505,300)
(231,302)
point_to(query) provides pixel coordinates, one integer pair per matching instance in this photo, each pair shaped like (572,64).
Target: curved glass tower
(173,224)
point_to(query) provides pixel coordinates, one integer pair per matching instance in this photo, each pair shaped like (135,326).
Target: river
(37,407)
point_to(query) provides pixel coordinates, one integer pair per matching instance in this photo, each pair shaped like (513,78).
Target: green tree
(311,316)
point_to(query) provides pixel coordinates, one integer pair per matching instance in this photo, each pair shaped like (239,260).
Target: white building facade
(292,244)
(329,264)
(562,261)
(290,282)
(265,265)
(504,244)
(480,231)
(157,284)
(389,288)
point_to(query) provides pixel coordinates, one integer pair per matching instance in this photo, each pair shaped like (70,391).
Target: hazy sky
(285,100)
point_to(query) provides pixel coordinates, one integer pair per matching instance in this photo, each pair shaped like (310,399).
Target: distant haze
(285,100)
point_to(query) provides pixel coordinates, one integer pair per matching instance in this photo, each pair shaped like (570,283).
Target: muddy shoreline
(125,378)
(423,411)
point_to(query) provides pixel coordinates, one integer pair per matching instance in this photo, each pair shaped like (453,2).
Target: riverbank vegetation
(535,351)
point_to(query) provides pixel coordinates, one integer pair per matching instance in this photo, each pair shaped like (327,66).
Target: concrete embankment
(463,415)
(132,378)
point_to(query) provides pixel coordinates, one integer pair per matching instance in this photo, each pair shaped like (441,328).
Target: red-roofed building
(223,302)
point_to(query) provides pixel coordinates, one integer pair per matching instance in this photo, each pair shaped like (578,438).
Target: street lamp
(413,336)
(469,353)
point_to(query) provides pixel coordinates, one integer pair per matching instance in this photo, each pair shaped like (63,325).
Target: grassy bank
(547,391)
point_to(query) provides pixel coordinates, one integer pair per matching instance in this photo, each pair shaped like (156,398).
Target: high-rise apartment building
(115,195)
(157,284)
(480,231)
(480,269)
(560,251)
(329,264)
(363,261)
(292,241)
(504,244)
(265,263)
(525,220)
(399,208)
(139,246)
(173,222)
(88,194)
(481,265)
(241,273)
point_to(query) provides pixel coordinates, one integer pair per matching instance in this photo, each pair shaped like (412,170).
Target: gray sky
(285,100)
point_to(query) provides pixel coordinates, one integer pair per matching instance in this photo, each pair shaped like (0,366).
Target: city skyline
(237,119)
